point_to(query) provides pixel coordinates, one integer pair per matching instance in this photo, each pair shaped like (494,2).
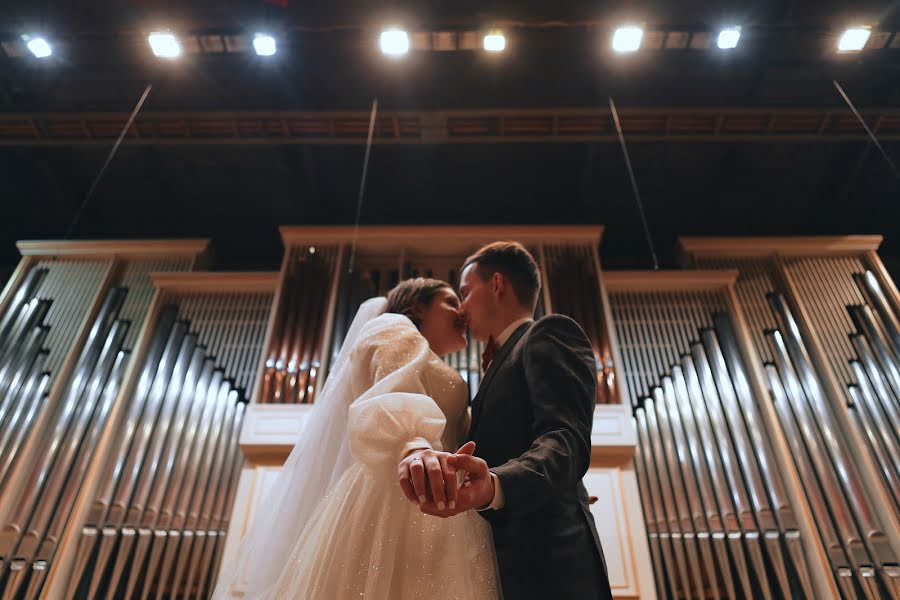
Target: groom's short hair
(515,263)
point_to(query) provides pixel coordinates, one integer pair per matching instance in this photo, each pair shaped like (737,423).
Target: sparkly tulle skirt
(367,541)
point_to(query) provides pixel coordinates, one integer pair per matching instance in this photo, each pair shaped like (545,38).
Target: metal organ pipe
(719,522)
(293,358)
(158,524)
(44,499)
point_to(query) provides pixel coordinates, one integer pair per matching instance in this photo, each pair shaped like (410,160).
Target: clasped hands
(429,479)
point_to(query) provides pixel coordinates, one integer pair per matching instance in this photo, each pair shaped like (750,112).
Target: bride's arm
(392,414)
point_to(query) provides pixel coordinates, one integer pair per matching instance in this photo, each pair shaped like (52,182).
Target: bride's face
(443,324)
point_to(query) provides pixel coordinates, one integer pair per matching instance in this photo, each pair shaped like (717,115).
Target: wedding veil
(319,458)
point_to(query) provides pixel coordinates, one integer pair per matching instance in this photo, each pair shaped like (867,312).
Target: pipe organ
(819,313)
(67,332)
(157,525)
(572,281)
(745,442)
(294,357)
(719,522)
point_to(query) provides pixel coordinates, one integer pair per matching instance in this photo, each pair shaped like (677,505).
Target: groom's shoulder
(561,326)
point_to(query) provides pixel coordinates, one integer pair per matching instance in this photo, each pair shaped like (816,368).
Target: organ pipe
(719,522)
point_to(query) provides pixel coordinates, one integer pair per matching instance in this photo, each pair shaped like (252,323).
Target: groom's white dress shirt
(498,501)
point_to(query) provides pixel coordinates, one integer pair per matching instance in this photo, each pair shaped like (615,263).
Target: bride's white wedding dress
(364,539)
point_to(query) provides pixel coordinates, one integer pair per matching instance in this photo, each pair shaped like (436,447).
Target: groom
(531,428)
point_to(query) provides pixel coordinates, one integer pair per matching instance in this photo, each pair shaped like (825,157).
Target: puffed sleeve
(392,413)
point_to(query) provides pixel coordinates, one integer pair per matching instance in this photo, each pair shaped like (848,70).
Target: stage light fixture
(164,44)
(627,39)
(494,41)
(728,38)
(264,44)
(854,39)
(394,42)
(38,46)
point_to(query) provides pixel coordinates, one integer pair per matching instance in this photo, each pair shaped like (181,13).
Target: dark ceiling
(238,193)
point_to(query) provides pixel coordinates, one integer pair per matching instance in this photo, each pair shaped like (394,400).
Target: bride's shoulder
(389,329)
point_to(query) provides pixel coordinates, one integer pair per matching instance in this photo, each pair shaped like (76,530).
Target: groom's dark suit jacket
(531,421)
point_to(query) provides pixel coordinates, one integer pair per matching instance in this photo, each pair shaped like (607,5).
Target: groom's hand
(477,490)
(425,477)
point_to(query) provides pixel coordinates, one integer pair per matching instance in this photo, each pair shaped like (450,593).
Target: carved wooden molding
(786,246)
(111,248)
(646,281)
(202,281)
(440,239)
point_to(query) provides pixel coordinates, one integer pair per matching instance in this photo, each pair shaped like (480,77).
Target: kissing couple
(397,490)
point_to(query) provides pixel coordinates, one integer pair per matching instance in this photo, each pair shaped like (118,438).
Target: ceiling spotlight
(627,39)
(164,44)
(264,44)
(38,46)
(495,41)
(394,42)
(728,38)
(853,40)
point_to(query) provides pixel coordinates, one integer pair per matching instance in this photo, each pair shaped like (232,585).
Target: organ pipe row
(293,359)
(49,428)
(848,524)
(44,499)
(157,526)
(876,400)
(24,383)
(821,323)
(719,522)
(574,288)
(294,362)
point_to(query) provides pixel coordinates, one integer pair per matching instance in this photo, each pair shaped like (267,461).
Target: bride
(336,524)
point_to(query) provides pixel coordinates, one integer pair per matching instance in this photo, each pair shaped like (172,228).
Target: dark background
(557,57)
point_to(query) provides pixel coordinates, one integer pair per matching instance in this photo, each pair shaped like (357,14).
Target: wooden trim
(645,579)
(440,239)
(815,555)
(644,281)
(216,281)
(129,248)
(58,579)
(787,246)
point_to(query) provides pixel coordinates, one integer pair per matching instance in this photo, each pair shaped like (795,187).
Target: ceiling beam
(473,126)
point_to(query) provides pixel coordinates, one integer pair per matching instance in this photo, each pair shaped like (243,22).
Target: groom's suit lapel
(492,370)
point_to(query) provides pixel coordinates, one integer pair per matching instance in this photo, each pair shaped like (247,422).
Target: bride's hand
(477,489)
(426,478)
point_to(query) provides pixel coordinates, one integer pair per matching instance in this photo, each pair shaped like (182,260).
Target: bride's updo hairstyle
(411,294)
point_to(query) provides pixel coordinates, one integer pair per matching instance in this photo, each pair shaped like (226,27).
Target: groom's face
(478,301)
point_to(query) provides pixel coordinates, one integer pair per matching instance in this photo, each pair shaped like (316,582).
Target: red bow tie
(490,350)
